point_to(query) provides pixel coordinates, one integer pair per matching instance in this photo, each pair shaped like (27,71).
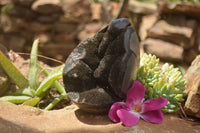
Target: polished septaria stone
(100,70)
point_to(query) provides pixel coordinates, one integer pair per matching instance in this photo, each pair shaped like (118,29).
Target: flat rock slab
(164,50)
(47,6)
(25,119)
(186,8)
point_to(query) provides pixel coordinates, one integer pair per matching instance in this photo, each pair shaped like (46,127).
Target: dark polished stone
(101,69)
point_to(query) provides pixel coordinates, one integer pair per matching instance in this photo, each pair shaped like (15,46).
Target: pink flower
(130,112)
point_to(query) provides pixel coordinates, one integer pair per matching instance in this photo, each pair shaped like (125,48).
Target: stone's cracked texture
(192,105)
(25,119)
(100,70)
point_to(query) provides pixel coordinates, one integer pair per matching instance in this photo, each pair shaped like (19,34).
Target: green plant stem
(55,101)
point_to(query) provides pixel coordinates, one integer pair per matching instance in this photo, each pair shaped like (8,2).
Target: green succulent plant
(165,81)
(30,92)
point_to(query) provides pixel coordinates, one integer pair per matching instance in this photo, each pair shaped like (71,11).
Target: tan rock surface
(147,22)
(180,35)
(9,41)
(141,7)
(47,6)
(186,8)
(166,51)
(74,11)
(192,105)
(24,119)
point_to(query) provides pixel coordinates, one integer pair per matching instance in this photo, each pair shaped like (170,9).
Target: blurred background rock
(170,30)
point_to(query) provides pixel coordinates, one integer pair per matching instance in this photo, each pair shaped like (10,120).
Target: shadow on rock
(92,119)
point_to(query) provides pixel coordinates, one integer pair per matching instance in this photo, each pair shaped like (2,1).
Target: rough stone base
(24,119)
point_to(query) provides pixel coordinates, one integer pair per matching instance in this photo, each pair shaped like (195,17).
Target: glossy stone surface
(100,69)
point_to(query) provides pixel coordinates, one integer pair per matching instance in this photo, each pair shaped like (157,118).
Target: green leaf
(33,72)
(32,102)
(13,73)
(59,87)
(25,91)
(43,70)
(181,69)
(48,81)
(56,84)
(15,99)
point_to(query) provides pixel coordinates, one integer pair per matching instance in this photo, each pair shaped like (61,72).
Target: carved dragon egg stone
(100,70)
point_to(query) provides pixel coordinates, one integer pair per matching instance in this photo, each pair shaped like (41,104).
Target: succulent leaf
(161,82)
(33,72)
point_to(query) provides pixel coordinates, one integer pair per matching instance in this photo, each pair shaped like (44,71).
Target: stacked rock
(175,35)
(54,22)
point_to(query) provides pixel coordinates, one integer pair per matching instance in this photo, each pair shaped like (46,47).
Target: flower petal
(128,118)
(113,111)
(135,94)
(155,116)
(154,104)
